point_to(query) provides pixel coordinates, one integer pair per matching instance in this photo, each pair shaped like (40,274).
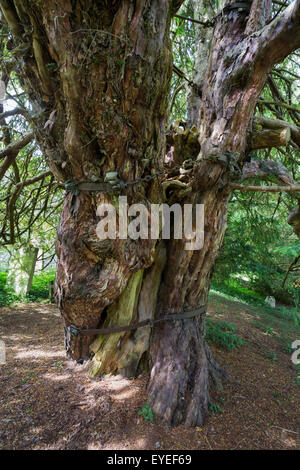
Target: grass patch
(223,334)
(7,296)
(238,292)
(281,323)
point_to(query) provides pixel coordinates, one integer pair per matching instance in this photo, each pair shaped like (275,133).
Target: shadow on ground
(48,402)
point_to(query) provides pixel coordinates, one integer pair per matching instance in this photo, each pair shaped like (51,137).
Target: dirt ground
(48,402)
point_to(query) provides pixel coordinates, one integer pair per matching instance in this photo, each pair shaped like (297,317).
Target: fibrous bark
(202,9)
(99,74)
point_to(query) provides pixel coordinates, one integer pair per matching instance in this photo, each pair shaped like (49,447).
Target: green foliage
(283,313)
(6,294)
(39,289)
(259,246)
(183,41)
(29,377)
(52,66)
(289,250)
(269,330)
(263,327)
(286,347)
(215,408)
(296,319)
(271,355)
(40,285)
(28,211)
(146,412)
(232,288)
(223,334)
(58,365)
(280,322)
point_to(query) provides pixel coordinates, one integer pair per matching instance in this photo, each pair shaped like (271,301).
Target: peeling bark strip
(100,73)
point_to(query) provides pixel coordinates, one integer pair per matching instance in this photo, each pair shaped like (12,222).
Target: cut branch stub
(182,143)
(267,138)
(268,123)
(294,221)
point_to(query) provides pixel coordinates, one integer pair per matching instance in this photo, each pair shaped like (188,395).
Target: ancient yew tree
(98,76)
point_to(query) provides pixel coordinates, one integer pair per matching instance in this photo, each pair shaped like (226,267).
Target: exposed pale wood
(107,348)
(267,138)
(268,123)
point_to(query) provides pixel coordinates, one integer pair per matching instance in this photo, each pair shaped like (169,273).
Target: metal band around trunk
(75,331)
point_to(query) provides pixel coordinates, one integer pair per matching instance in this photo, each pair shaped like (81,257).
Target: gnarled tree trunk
(99,75)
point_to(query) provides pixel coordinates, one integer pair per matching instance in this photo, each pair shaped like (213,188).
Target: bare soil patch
(48,402)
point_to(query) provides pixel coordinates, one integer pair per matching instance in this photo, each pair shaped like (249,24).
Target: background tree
(29,196)
(99,77)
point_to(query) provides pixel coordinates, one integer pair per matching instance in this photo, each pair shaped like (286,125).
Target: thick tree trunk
(128,111)
(21,269)
(99,76)
(202,10)
(180,359)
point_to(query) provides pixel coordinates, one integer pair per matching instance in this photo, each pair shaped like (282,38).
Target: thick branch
(12,150)
(14,112)
(266,138)
(17,145)
(11,17)
(282,36)
(278,124)
(23,184)
(259,14)
(267,170)
(206,24)
(271,189)
(34,179)
(281,104)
